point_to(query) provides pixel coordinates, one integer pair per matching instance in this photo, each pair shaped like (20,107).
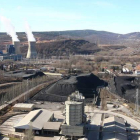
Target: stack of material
(25,74)
(125,87)
(85,84)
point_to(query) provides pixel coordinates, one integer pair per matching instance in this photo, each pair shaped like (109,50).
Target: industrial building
(74,117)
(114,129)
(17,47)
(23,107)
(31,54)
(15,57)
(13,52)
(41,121)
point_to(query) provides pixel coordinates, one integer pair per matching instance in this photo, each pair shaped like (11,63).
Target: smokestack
(17,47)
(31,42)
(31,50)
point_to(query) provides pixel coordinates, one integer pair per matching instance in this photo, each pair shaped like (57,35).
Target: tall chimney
(31,50)
(17,47)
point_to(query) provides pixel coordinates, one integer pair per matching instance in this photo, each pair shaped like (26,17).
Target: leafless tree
(29,134)
(103,99)
(22,87)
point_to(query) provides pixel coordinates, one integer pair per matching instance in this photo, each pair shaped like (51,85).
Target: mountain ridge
(122,43)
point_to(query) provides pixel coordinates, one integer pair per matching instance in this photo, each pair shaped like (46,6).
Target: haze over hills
(88,40)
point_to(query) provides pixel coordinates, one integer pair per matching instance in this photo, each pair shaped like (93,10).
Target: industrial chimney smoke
(31,42)
(10,29)
(31,50)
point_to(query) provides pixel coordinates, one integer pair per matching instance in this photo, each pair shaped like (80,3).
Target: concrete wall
(72,130)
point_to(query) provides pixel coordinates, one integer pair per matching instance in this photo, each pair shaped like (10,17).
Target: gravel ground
(53,106)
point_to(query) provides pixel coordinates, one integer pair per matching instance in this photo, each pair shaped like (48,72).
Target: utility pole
(26,95)
(137,97)
(137,102)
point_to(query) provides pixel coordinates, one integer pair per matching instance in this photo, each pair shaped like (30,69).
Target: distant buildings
(15,57)
(11,53)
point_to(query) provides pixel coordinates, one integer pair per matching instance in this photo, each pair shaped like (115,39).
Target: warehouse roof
(52,126)
(23,105)
(114,129)
(35,119)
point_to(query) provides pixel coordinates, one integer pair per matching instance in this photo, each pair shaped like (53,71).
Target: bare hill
(91,37)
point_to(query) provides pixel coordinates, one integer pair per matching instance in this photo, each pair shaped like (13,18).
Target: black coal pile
(124,86)
(25,74)
(85,84)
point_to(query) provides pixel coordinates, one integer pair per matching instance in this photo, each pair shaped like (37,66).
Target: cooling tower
(17,47)
(31,50)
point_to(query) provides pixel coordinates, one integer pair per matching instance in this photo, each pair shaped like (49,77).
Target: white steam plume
(29,33)
(10,29)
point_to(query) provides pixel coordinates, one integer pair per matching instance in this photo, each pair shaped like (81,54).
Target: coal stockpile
(25,74)
(85,84)
(124,86)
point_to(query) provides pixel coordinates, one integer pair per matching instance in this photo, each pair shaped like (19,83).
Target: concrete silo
(75,117)
(74,112)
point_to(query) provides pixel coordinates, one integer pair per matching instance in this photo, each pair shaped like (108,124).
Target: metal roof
(23,105)
(114,129)
(52,125)
(35,119)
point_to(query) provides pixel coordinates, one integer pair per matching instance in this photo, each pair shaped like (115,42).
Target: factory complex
(43,122)
(13,52)
(40,121)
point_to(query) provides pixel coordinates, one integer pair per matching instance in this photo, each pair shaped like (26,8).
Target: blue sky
(119,16)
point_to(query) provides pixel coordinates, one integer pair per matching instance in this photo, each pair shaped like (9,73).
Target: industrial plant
(44,122)
(12,51)
(68,85)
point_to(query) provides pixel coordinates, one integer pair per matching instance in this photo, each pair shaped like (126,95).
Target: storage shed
(23,107)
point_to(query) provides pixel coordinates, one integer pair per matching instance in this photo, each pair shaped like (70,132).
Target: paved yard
(8,126)
(44,138)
